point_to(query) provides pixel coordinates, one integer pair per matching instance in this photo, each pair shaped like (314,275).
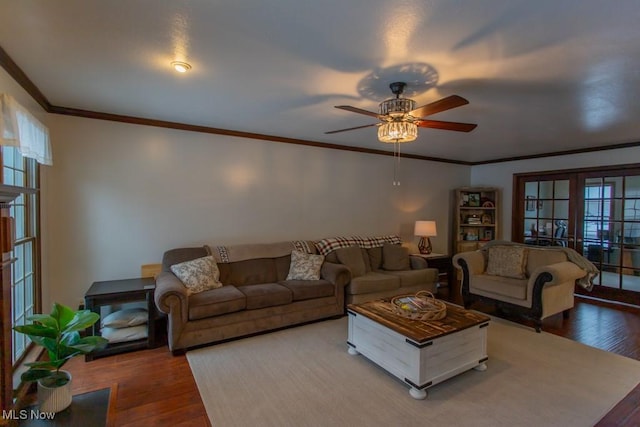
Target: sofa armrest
(474,260)
(171,293)
(417,262)
(338,274)
(561,272)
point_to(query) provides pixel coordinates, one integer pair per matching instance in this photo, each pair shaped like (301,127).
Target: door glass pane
(531,189)
(561,209)
(561,189)
(546,189)
(632,186)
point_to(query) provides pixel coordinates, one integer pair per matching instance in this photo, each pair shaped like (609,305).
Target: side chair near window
(536,282)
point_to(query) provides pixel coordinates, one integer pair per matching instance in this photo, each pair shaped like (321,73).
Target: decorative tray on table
(421,306)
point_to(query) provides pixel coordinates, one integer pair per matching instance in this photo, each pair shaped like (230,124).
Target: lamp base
(424,245)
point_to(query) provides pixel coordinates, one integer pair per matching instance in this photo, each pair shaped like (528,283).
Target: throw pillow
(125,318)
(305,266)
(395,258)
(352,257)
(507,261)
(198,275)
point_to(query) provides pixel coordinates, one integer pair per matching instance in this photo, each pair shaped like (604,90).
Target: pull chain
(396,164)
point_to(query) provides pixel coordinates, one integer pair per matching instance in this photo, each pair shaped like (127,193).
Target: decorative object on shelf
(59,334)
(488,235)
(473,219)
(421,306)
(486,219)
(424,230)
(471,236)
(474,200)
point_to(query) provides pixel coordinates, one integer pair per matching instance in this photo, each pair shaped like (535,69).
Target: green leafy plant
(59,334)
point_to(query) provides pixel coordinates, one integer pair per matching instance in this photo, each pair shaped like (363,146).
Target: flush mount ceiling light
(181,67)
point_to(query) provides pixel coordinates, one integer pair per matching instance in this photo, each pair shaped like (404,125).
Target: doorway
(594,211)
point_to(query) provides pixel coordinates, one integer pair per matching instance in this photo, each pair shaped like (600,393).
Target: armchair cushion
(507,261)
(538,259)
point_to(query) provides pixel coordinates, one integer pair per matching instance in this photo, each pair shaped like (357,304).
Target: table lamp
(424,230)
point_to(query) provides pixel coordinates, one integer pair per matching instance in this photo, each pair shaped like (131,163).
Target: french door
(594,211)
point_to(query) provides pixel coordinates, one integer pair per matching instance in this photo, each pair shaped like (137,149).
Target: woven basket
(424,306)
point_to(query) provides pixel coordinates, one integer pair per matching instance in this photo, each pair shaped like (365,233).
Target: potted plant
(59,334)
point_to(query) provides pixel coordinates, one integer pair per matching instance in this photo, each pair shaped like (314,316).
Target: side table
(443,263)
(117,292)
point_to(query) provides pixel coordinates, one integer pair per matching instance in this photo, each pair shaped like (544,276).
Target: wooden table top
(420,331)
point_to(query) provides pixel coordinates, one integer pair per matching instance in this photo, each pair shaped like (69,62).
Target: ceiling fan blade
(444,104)
(358,110)
(357,127)
(437,124)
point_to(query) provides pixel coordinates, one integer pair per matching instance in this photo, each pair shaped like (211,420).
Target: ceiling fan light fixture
(396,107)
(394,132)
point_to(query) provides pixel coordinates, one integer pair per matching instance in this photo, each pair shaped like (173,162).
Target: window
(23,172)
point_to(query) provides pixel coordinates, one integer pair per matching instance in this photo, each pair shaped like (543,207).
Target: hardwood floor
(155,388)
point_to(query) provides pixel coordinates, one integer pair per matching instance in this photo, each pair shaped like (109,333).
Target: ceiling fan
(400,119)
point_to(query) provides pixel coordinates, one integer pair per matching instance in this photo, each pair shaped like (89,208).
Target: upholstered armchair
(536,282)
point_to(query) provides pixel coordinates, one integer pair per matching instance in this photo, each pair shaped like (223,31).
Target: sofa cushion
(282,267)
(305,266)
(541,257)
(352,258)
(412,277)
(332,257)
(367,262)
(514,288)
(309,289)
(372,282)
(506,261)
(395,258)
(248,272)
(266,295)
(227,299)
(375,258)
(198,275)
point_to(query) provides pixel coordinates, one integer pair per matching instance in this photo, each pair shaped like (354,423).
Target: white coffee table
(421,354)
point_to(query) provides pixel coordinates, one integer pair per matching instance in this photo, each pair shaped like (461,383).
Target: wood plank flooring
(155,388)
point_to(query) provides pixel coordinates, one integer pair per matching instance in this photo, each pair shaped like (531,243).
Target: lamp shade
(425,229)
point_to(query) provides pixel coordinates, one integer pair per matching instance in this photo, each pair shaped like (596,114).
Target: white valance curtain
(19,128)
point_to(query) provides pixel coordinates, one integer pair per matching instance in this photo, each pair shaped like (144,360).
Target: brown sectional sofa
(255,295)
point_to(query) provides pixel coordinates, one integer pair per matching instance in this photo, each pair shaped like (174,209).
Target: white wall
(501,174)
(121,194)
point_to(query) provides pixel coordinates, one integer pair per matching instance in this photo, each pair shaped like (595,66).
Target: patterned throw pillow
(305,266)
(198,275)
(507,261)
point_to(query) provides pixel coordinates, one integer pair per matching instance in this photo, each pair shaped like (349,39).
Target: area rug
(303,376)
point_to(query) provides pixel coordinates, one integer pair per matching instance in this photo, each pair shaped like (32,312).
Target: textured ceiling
(541,76)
